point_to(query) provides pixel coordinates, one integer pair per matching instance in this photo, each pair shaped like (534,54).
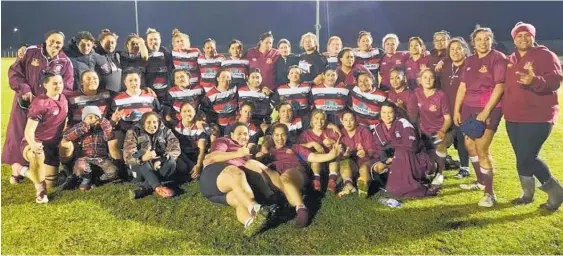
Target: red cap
(521,26)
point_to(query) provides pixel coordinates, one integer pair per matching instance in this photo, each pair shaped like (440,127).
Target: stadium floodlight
(318,23)
(16,30)
(136,19)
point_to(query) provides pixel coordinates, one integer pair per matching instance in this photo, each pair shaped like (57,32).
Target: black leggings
(154,178)
(184,165)
(527,140)
(459,144)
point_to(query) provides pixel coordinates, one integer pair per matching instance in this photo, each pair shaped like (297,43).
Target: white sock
(440,154)
(333,173)
(24,170)
(465,168)
(474,159)
(248,222)
(299,207)
(253,207)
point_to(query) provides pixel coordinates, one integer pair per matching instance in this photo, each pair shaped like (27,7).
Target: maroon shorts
(51,150)
(492,122)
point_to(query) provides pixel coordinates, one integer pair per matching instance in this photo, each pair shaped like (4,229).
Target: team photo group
(261,127)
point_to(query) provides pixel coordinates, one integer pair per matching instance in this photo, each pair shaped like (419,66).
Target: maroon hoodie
(537,102)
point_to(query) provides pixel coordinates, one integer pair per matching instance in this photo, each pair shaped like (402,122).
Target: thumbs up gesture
(526,78)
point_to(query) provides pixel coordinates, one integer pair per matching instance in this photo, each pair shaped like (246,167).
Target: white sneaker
(42,198)
(488,200)
(474,186)
(347,189)
(438,180)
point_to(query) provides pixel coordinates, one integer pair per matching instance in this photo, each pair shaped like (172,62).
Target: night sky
(224,21)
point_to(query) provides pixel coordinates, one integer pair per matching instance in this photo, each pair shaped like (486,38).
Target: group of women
(266,122)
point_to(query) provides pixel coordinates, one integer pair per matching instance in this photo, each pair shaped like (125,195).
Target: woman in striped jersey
(295,125)
(365,100)
(220,102)
(235,64)
(193,141)
(333,47)
(159,64)
(329,96)
(209,64)
(183,56)
(295,93)
(368,55)
(418,60)
(182,92)
(259,95)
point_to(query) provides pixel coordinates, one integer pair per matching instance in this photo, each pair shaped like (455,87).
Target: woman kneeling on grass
(223,180)
(398,146)
(152,149)
(320,139)
(43,133)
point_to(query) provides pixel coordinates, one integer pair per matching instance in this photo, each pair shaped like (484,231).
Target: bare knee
(234,173)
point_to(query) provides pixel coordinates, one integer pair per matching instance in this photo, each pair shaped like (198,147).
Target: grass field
(105,221)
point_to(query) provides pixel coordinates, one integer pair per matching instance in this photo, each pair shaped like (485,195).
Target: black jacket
(81,62)
(112,80)
(312,65)
(281,69)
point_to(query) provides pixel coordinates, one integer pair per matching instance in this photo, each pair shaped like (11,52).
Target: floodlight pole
(318,24)
(136,18)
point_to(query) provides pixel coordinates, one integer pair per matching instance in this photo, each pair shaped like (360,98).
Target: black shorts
(208,183)
(51,150)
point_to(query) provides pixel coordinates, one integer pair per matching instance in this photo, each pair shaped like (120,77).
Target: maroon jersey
(435,57)
(225,144)
(537,102)
(362,136)
(238,69)
(390,62)
(366,105)
(309,136)
(187,60)
(264,62)
(449,81)
(220,106)
(350,78)
(51,115)
(176,97)
(77,100)
(208,69)
(480,76)
(413,68)
(287,158)
(432,110)
(407,100)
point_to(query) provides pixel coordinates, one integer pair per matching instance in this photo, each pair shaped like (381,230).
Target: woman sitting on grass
(43,133)
(245,116)
(291,172)
(194,141)
(320,139)
(223,180)
(359,150)
(398,147)
(152,149)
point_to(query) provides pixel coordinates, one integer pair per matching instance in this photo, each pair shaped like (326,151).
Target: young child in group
(92,133)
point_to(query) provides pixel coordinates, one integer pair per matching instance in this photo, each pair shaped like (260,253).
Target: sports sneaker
(69,183)
(473,186)
(302,219)
(86,184)
(164,191)
(438,180)
(347,189)
(451,164)
(258,222)
(362,188)
(462,174)
(16,179)
(331,185)
(488,200)
(139,192)
(317,184)
(42,198)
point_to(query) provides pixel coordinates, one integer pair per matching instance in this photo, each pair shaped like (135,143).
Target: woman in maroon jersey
(46,119)
(320,139)
(358,154)
(435,121)
(347,68)
(291,175)
(478,97)
(223,179)
(450,70)
(401,95)
(418,60)
(263,57)
(530,106)
(391,59)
